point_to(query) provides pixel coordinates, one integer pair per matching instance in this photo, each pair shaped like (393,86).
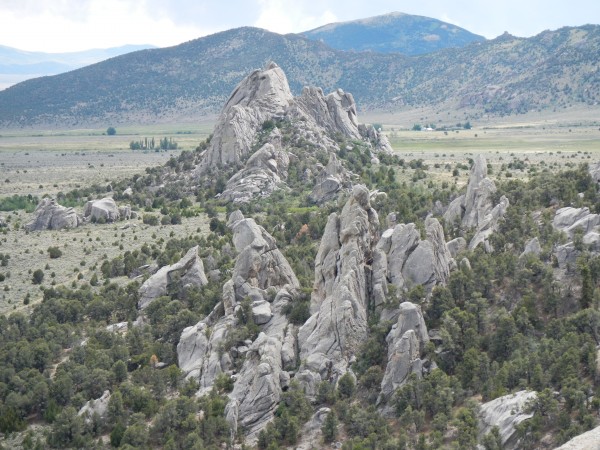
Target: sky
(72,25)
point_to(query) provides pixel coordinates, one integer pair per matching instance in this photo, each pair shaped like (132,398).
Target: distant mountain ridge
(19,65)
(500,76)
(393,32)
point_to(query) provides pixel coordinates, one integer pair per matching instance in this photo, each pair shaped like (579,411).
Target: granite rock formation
(49,215)
(103,209)
(331,337)
(406,344)
(313,123)
(474,209)
(407,261)
(188,271)
(211,347)
(505,413)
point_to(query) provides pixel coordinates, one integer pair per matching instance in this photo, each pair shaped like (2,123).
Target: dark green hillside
(394,32)
(506,75)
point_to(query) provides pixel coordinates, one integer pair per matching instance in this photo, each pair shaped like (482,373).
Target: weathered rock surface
(259,97)
(410,261)
(331,337)
(572,221)
(590,440)
(532,248)
(330,181)
(103,209)
(312,122)
(49,215)
(97,408)
(263,172)
(311,435)
(594,170)
(202,350)
(505,413)
(188,271)
(406,343)
(455,246)
(474,209)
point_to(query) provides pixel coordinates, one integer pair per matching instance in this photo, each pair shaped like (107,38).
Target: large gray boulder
(49,215)
(103,209)
(505,413)
(97,408)
(475,209)
(332,336)
(410,261)
(330,181)
(210,348)
(258,98)
(406,343)
(188,271)
(572,221)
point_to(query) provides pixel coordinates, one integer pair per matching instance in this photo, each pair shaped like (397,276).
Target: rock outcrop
(104,209)
(49,215)
(331,337)
(215,346)
(407,261)
(97,408)
(312,121)
(188,271)
(258,98)
(474,209)
(330,181)
(587,441)
(505,413)
(573,221)
(406,343)
(263,172)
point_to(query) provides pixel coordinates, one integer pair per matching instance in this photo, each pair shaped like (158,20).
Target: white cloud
(101,24)
(284,16)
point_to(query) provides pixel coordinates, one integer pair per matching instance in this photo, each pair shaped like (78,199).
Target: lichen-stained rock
(49,215)
(259,97)
(505,413)
(264,171)
(331,337)
(475,209)
(203,351)
(189,270)
(406,343)
(102,209)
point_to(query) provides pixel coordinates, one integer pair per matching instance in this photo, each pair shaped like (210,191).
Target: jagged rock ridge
(262,101)
(210,347)
(331,337)
(474,209)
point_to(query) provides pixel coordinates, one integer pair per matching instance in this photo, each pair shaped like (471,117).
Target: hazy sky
(71,25)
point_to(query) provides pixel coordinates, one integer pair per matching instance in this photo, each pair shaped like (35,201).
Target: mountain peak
(393,32)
